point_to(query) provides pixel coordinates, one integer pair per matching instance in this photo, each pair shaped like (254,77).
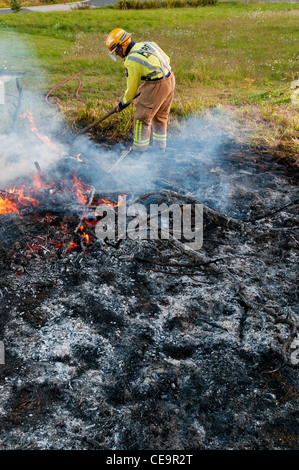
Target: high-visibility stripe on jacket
(145,61)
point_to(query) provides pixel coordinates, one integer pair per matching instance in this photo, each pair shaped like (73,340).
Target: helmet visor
(112,56)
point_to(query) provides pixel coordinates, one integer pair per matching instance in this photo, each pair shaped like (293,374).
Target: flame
(16,198)
(22,199)
(84,235)
(34,129)
(78,157)
(107,202)
(80,188)
(38,182)
(13,199)
(7,206)
(73,245)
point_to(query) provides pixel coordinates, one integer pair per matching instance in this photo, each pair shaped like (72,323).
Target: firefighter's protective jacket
(144,61)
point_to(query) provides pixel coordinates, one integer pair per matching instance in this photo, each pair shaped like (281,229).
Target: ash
(143,345)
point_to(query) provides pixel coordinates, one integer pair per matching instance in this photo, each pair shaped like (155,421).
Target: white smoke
(194,163)
(18,155)
(27,122)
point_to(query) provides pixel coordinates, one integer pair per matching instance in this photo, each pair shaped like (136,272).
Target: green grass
(236,55)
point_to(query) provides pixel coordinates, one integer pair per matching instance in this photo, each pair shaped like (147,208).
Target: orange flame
(84,235)
(107,202)
(22,199)
(34,129)
(80,188)
(14,198)
(38,182)
(7,206)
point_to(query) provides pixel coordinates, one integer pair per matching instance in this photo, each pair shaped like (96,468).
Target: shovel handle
(97,122)
(102,118)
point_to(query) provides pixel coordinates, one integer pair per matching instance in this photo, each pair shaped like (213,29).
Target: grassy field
(234,56)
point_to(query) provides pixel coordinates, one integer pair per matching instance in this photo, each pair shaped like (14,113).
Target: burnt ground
(143,345)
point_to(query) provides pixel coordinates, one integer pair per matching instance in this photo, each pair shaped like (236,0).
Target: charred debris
(147,344)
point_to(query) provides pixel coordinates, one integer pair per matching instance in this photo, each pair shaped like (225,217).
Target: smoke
(18,154)
(194,149)
(198,149)
(194,163)
(26,120)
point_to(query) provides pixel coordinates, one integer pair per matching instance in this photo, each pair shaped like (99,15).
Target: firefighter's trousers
(152,112)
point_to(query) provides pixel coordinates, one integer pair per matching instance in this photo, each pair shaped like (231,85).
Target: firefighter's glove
(118,109)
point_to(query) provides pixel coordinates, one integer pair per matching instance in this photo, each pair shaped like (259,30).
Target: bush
(147,4)
(15,5)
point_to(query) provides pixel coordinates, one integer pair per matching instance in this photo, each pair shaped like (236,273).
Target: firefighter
(144,62)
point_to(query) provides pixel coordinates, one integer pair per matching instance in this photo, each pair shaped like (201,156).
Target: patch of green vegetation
(148,4)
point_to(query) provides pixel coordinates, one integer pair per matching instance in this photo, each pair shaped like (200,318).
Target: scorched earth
(144,344)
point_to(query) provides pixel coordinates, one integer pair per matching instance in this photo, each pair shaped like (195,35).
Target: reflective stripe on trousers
(139,141)
(159,140)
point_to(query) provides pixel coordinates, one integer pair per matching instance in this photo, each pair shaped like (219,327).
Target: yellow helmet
(117,37)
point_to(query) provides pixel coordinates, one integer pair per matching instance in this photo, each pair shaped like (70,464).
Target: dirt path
(59,7)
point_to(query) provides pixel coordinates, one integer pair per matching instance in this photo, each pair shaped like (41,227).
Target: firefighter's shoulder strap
(151,48)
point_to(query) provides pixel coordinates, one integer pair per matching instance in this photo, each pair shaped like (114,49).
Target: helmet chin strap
(119,47)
